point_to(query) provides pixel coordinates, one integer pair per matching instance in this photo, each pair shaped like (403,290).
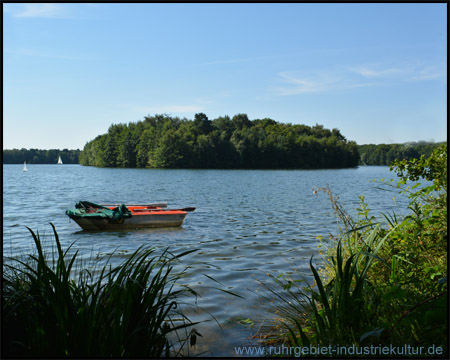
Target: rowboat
(91,216)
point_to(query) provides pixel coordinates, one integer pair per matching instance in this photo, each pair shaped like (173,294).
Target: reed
(340,311)
(384,284)
(128,310)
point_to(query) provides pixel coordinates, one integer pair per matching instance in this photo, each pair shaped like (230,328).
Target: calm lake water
(247,223)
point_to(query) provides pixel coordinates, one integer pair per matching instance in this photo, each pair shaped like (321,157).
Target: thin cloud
(301,85)
(430,73)
(344,78)
(377,73)
(405,72)
(50,11)
(315,82)
(37,10)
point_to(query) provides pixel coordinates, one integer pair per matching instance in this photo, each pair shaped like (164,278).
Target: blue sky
(377,72)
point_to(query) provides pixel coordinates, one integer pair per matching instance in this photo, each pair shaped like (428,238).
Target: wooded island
(162,141)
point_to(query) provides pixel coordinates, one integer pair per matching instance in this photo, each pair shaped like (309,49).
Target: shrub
(382,283)
(128,310)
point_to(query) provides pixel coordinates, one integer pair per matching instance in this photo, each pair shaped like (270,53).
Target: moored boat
(91,216)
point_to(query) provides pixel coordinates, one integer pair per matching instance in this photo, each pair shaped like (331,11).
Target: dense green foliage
(35,156)
(383,285)
(386,154)
(53,308)
(161,141)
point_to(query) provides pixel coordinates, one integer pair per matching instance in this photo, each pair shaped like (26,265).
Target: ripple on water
(247,224)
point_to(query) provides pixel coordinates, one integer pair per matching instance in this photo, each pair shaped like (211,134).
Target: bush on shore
(384,283)
(124,311)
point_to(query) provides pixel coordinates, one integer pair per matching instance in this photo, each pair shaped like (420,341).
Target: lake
(247,223)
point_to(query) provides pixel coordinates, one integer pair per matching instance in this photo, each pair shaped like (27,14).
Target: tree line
(162,141)
(385,154)
(35,156)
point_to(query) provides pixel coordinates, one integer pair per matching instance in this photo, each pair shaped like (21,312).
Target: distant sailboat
(59,160)
(25,166)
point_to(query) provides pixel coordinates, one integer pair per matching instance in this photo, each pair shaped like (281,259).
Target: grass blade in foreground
(127,311)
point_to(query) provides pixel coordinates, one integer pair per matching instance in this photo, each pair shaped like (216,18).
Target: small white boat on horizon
(25,166)
(60,160)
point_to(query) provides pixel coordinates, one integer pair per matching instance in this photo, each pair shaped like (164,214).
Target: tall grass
(381,283)
(128,310)
(340,311)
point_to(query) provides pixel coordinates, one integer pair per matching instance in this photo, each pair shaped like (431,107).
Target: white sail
(25,166)
(59,160)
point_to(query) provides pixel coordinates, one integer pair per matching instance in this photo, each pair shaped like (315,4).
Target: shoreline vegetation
(371,154)
(380,284)
(387,154)
(162,141)
(37,156)
(54,305)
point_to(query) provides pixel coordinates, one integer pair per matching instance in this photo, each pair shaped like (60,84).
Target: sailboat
(59,160)
(25,166)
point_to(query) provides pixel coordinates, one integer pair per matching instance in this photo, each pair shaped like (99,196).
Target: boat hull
(141,221)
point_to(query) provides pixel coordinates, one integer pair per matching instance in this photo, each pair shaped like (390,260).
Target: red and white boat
(91,216)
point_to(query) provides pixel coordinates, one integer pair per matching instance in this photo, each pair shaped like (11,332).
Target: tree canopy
(386,154)
(36,156)
(162,141)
